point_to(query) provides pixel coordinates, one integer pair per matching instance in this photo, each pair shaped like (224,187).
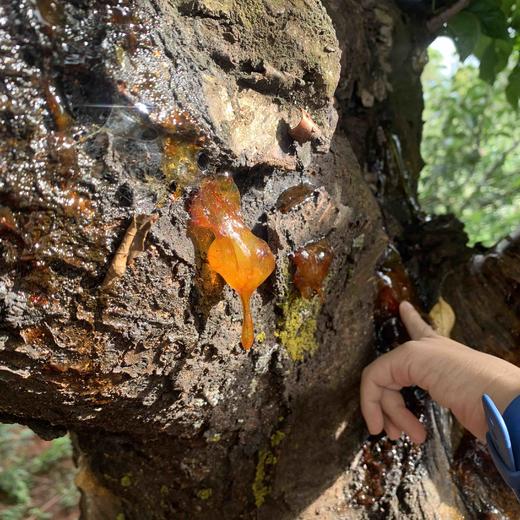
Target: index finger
(417,328)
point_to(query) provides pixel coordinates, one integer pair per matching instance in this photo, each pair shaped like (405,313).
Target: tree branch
(434,24)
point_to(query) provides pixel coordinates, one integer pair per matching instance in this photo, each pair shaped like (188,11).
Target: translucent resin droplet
(241,258)
(312,263)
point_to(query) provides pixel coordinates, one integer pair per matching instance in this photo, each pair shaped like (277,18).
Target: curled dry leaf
(130,247)
(144,224)
(305,130)
(442,317)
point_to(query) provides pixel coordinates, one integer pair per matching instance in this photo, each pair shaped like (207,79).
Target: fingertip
(417,328)
(375,423)
(373,416)
(408,312)
(418,436)
(392,431)
(375,431)
(370,396)
(418,440)
(394,408)
(406,306)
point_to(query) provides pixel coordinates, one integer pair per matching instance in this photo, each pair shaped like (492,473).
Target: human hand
(454,375)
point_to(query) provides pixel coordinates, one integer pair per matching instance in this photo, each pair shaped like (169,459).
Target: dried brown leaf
(144,224)
(130,247)
(442,317)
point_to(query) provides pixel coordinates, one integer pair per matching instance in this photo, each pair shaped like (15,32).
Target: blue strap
(511,478)
(503,438)
(512,419)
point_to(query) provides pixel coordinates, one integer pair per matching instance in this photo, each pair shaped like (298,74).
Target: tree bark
(114,110)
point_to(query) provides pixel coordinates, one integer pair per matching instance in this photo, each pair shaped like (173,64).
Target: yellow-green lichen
(260,337)
(215,437)
(126,480)
(297,328)
(205,494)
(277,437)
(264,468)
(120,516)
(261,487)
(164,489)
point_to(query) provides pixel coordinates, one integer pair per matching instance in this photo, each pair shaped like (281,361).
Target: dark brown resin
(312,263)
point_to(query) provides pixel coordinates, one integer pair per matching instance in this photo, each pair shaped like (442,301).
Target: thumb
(417,328)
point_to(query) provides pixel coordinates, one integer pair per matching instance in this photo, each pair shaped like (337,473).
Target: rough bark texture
(111,110)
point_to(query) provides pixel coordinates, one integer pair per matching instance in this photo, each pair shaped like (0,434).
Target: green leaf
(481,46)
(515,20)
(507,6)
(503,49)
(494,59)
(491,16)
(487,64)
(464,28)
(513,87)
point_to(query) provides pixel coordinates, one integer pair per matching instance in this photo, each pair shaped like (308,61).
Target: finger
(394,408)
(371,394)
(392,431)
(415,325)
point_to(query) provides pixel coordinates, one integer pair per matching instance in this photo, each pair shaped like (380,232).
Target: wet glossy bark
(113,110)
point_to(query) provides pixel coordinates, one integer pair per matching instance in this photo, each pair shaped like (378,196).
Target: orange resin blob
(242,259)
(312,264)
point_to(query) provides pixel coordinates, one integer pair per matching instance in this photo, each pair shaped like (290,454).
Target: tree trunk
(111,114)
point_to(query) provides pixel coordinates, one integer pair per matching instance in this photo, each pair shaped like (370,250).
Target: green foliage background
(471,139)
(471,145)
(490,30)
(25,465)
